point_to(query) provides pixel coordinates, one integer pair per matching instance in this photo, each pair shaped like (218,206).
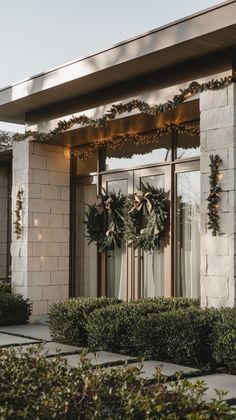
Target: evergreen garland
(109,212)
(146,217)
(18,212)
(213,198)
(121,108)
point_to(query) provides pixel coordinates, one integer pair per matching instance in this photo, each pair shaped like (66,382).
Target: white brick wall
(218,136)
(40,258)
(4,180)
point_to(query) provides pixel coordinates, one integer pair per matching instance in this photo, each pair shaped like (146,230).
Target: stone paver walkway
(25,335)
(37,331)
(11,340)
(52,349)
(167,369)
(100,358)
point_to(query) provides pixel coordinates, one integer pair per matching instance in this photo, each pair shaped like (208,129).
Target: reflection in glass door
(188,234)
(116,283)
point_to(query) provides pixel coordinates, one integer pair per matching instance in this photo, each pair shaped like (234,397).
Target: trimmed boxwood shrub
(115,328)
(33,387)
(224,339)
(14,309)
(181,336)
(68,319)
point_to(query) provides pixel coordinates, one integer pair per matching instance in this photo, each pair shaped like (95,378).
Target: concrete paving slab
(219,381)
(167,369)
(100,358)
(11,340)
(52,349)
(36,331)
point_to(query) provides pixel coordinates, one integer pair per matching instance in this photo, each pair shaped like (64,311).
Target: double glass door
(129,273)
(126,273)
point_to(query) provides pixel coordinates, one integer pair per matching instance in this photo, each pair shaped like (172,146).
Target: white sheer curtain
(153,273)
(117,272)
(188,235)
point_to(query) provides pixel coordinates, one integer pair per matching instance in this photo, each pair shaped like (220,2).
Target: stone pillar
(4,185)
(40,257)
(218,136)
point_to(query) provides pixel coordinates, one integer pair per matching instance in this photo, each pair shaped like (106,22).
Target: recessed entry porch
(170,162)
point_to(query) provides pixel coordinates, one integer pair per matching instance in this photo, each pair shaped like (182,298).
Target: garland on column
(18,212)
(213,198)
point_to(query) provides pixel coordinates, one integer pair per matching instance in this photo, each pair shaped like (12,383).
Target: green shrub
(5,287)
(224,339)
(68,319)
(115,328)
(14,309)
(181,336)
(33,387)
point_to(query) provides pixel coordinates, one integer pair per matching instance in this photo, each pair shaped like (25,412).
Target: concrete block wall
(4,180)
(218,254)
(40,258)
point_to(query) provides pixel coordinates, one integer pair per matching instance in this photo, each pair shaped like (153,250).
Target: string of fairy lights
(116,142)
(118,109)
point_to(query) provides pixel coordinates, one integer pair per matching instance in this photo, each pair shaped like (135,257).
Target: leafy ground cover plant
(33,387)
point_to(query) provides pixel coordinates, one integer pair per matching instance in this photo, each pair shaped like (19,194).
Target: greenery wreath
(108,211)
(146,217)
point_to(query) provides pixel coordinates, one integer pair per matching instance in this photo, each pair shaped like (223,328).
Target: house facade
(142,117)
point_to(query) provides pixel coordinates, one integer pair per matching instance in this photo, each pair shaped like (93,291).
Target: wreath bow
(107,204)
(142,199)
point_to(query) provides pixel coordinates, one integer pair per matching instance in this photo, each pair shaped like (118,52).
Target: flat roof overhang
(207,32)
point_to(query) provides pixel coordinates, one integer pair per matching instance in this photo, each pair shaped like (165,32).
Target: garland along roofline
(118,109)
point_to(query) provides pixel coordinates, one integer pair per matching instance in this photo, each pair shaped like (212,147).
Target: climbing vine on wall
(214,196)
(18,212)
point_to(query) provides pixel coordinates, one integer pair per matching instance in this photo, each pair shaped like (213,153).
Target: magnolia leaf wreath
(146,217)
(108,211)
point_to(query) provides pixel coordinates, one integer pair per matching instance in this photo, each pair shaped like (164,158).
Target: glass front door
(116,285)
(187,234)
(133,273)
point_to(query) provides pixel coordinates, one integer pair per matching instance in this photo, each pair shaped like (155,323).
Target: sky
(37,35)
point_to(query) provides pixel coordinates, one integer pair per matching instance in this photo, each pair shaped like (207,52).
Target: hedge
(224,339)
(115,328)
(33,387)
(14,309)
(181,337)
(68,319)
